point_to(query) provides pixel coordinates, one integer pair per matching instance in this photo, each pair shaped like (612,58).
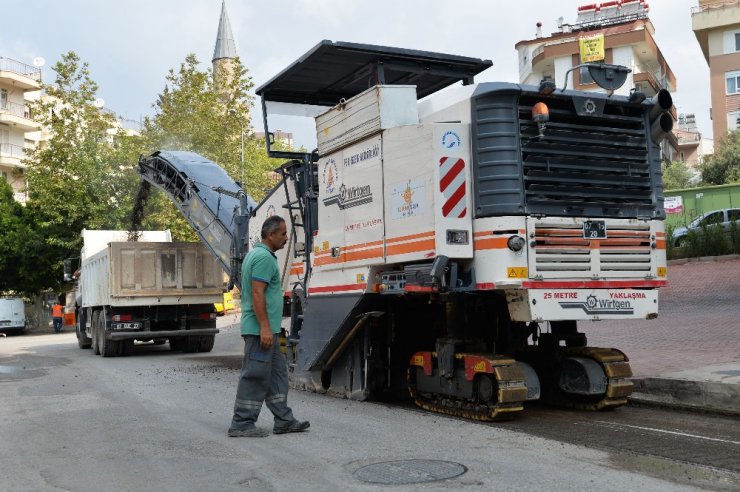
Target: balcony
(711,15)
(11,155)
(687,138)
(20,75)
(18,115)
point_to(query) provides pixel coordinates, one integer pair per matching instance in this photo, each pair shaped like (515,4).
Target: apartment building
(19,83)
(716,24)
(626,37)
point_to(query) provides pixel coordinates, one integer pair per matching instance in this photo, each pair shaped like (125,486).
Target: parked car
(12,315)
(723,217)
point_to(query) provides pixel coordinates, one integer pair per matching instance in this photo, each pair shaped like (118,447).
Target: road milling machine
(446,243)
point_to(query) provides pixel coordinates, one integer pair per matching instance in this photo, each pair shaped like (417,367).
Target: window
(732,82)
(713,218)
(733,120)
(587,79)
(3,99)
(733,214)
(737,41)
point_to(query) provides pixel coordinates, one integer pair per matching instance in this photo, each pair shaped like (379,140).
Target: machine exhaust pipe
(661,121)
(661,126)
(661,102)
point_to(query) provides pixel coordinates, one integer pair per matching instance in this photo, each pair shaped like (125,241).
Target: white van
(12,314)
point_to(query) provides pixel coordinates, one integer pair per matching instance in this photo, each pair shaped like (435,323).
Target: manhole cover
(409,471)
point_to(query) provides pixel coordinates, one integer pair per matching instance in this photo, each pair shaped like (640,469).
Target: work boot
(248,432)
(294,426)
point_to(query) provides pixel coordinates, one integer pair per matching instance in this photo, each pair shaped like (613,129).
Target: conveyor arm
(215,206)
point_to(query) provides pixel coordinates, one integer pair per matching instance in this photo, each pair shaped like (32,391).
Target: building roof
(225,44)
(559,37)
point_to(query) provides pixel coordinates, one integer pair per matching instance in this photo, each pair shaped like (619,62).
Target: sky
(130,45)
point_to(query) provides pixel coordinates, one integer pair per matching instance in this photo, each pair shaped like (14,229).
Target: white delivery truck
(12,315)
(150,289)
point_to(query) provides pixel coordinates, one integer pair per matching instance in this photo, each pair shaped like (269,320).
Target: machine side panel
(327,319)
(350,208)
(408,171)
(453,204)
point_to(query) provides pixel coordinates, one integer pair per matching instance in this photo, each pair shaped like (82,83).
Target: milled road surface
(157,421)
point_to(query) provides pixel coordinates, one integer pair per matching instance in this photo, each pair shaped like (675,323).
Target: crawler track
(510,393)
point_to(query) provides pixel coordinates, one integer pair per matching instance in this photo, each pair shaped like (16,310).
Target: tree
(81,177)
(724,166)
(676,175)
(195,114)
(13,225)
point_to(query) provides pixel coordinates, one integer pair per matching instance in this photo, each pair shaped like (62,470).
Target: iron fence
(12,150)
(10,65)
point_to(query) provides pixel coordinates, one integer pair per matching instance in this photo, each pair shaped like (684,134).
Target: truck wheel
(125,347)
(192,343)
(95,338)
(206,343)
(108,348)
(83,341)
(177,343)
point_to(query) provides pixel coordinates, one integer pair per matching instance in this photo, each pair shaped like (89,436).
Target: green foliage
(709,240)
(735,237)
(676,175)
(81,177)
(84,177)
(195,114)
(724,166)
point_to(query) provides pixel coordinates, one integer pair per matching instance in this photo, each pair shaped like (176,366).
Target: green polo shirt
(261,265)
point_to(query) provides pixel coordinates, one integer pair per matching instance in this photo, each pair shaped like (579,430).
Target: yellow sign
(662,272)
(480,367)
(592,48)
(418,360)
(517,272)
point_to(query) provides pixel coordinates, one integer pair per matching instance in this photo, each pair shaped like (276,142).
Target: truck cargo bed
(151,273)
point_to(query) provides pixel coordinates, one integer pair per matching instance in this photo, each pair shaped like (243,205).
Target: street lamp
(232,112)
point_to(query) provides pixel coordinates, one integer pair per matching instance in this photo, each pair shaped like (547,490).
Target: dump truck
(446,245)
(142,286)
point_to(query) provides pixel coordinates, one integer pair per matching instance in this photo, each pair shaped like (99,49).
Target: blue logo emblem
(450,140)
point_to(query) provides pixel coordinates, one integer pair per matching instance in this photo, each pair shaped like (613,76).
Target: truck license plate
(594,229)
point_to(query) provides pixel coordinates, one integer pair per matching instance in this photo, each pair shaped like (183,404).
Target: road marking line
(669,432)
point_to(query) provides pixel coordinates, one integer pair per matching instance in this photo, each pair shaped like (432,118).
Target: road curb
(705,396)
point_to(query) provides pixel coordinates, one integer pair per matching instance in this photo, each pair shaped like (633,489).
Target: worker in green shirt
(264,373)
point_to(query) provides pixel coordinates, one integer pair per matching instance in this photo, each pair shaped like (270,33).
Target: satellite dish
(99,103)
(39,62)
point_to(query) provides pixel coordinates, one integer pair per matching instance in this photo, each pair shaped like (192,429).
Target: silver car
(723,217)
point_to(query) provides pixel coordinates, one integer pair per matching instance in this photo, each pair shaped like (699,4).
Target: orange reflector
(540,113)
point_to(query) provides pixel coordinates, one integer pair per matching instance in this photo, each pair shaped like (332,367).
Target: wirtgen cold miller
(448,247)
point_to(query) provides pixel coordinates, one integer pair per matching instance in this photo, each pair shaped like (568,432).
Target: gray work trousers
(264,378)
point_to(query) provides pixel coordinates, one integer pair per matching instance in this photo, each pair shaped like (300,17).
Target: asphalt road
(157,421)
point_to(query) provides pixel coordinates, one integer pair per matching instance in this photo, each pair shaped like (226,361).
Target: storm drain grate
(409,471)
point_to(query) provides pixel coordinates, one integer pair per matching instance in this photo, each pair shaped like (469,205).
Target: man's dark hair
(271,225)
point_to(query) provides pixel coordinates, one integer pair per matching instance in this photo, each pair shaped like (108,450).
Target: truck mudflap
(582,304)
(128,335)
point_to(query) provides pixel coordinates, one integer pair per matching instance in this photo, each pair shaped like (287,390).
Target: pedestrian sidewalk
(713,388)
(689,356)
